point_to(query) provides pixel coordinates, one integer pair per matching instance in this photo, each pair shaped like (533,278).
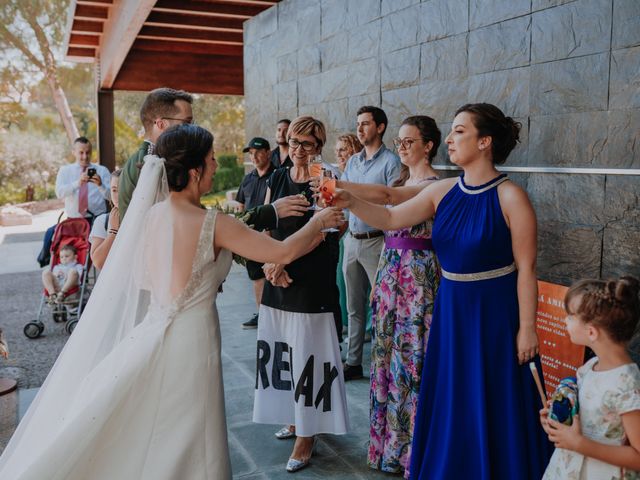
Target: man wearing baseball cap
(251,193)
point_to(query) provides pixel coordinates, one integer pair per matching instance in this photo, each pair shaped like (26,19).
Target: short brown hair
(613,305)
(309,126)
(161,103)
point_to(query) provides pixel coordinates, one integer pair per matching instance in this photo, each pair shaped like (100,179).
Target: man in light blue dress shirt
(70,180)
(362,246)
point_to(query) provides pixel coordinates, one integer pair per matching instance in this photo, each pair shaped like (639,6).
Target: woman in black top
(299,378)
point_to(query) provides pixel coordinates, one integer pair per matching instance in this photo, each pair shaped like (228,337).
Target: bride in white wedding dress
(137,391)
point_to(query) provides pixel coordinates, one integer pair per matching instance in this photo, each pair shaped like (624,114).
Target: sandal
(284,434)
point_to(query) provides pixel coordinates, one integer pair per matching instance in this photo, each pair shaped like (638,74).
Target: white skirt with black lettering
(299,378)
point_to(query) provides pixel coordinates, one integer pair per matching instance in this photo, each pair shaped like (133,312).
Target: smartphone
(91,172)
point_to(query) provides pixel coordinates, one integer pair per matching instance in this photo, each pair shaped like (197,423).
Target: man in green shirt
(163,108)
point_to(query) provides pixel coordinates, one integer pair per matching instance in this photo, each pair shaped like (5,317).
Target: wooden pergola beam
(170,19)
(98,3)
(106,129)
(211,8)
(191,34)
(91,12)
(204,48)
(87,26)
(120,32)
(82,40)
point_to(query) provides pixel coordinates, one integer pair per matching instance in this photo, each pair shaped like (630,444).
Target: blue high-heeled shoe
(293,464)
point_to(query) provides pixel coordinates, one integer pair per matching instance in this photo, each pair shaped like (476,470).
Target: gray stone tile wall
(568,70)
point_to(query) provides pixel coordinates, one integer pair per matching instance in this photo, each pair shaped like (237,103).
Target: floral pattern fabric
(603,397)
(402,305)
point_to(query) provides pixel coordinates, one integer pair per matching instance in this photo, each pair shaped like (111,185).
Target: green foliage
(229,173)
(223,115)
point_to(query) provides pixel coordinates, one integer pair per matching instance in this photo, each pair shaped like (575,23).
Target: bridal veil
(138,266)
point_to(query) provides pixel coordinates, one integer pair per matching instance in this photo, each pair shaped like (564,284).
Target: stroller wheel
(33,329)
(71,326)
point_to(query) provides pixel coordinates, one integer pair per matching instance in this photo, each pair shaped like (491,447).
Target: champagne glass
(326,190)
(315,171)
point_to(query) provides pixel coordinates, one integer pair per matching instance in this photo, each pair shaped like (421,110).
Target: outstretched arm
(381,194)
(237,237)
(412,212)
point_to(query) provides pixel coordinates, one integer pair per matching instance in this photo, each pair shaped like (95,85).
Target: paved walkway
(255,453)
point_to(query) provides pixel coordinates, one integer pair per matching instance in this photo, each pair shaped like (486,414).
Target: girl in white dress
(603,441)
(137,391)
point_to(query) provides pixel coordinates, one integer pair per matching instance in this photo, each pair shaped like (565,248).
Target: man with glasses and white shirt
(362,246)
(163,108)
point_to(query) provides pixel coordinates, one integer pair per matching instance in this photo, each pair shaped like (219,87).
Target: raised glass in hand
(315,171)
(326,190)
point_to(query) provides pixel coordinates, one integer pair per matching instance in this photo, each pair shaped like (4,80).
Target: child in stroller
(66,284)
(64,276)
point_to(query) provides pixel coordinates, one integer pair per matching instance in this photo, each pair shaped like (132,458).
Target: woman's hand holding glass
(315,174)
(328,218)
(339,198)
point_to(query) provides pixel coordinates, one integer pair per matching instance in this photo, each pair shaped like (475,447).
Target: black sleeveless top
(314,288)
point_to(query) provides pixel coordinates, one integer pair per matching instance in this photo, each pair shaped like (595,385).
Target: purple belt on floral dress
(411,243)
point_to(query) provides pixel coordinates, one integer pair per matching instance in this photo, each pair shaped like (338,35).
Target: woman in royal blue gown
(478,408)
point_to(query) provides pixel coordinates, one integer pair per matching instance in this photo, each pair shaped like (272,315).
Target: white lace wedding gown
(152,407)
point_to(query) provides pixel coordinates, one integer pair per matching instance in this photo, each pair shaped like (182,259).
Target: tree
(29,32)
(12,92)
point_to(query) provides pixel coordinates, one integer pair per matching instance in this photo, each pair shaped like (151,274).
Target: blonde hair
(308,126)
(351,141)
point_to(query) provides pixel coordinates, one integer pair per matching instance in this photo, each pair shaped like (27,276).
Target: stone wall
(568,70)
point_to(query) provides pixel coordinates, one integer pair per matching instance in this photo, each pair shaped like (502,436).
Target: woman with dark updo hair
(478,406)
(138,389)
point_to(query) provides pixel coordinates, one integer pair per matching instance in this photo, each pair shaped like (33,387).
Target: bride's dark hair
(183,148)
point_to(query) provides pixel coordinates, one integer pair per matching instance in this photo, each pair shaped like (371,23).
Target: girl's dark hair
(613,305)
(429,132)
(183,147)
(491,122)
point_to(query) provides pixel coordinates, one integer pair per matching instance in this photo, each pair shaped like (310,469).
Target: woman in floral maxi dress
(402,304)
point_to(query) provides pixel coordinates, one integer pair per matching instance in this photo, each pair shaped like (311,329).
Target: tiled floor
(255,452)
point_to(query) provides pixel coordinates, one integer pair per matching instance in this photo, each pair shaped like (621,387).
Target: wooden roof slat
(81,52)
(264,3)
(209,48)
(209,8)
(86,27)
(91,12)
(185,20)
(83,40)
(187,33)
(95,3)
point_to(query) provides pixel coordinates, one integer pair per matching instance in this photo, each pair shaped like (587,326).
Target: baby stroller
(72,231)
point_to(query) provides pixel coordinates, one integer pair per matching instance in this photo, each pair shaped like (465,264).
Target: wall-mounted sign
(560,358)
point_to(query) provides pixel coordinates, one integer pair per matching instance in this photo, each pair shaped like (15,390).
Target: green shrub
(229,173)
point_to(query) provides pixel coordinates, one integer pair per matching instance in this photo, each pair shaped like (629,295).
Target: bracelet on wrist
(113,231)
